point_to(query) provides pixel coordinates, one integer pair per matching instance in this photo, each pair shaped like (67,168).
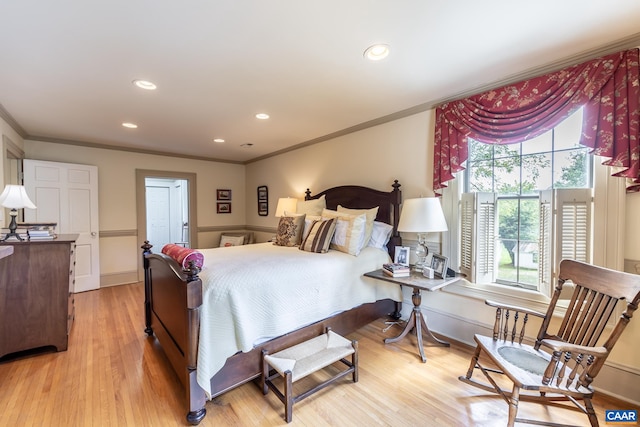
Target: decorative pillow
(319,236)
(311,207)
(248,235)
(290,230)
(371,217)
(350,231)
(183,255)
(226,241)
(308,220)
(380,235)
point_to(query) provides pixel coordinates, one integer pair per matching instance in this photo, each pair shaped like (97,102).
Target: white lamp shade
(15,197)
(286,204)
(423,215)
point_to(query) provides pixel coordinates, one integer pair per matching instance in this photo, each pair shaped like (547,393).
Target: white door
(167,211)
(158,216)
(67,194)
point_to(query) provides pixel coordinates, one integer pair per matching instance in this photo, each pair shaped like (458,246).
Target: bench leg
(288,396)
(265,373)
(354,360)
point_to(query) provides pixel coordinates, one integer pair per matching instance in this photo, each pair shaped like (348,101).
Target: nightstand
(416,321)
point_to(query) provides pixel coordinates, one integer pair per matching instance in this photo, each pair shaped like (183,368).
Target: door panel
(67,194)
(158,215)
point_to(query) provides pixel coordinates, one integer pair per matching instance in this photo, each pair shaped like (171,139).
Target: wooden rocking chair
(576,352)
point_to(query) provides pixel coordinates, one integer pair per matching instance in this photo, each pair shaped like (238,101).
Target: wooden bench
(295,363)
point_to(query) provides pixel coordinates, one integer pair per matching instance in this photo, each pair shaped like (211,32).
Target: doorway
(181,209)
(167,211)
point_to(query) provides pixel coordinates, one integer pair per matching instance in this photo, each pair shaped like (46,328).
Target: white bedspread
(255,292)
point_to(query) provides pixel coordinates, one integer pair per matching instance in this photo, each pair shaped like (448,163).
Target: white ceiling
(66,66)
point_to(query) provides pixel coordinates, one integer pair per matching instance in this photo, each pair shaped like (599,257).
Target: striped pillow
(319,237)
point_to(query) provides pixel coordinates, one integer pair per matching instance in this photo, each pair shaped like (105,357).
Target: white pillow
(371,217)
(350,231)
(308,221)
(311,207)
(380,235)
(226,241)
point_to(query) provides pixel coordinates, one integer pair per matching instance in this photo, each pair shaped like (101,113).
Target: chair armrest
(514,308)
(562,346)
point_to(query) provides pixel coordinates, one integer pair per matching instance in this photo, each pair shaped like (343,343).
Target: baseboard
(116,279)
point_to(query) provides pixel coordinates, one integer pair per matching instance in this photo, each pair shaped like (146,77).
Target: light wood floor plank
(114,375)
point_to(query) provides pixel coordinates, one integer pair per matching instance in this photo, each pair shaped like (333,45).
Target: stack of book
(40,231)
(41,235)
(396,270)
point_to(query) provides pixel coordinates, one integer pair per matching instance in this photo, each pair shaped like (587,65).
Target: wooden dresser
(36,294)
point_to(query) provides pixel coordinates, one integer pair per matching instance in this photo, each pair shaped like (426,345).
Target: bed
(212,332)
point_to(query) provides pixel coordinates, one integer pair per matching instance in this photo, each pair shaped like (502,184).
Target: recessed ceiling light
(377,52)
(218,140)
(145,84)
(130,125)
(247,145)
(262,116)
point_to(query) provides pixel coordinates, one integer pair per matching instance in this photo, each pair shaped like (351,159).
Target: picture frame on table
(223,194)
(439,265)
(223,207)
(401,255)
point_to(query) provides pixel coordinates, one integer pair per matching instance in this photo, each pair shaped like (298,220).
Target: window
(525,207)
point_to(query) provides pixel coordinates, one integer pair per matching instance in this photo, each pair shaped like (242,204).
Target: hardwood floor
(113,375)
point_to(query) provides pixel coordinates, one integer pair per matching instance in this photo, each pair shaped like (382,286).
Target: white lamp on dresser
(15,197)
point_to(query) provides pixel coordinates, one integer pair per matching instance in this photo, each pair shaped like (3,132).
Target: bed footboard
(172,313)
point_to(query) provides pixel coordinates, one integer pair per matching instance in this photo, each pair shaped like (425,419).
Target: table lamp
(15,197)
(287,204)
(422,215)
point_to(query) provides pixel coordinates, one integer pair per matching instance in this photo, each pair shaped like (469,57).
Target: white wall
(373,157)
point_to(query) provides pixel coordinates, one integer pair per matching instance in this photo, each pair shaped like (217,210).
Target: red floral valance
(607,87)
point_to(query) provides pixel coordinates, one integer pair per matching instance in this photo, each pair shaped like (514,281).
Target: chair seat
(523,364)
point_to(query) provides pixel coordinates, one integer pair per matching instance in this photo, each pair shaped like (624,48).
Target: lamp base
(12,227)
(419,266)
(422,251)
(9,235)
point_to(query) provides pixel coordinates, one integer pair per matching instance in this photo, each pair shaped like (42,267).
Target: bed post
(195,395)
(395,239)
(146,250)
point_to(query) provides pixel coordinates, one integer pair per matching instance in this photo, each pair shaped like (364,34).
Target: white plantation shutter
(565,231)
(574,224)
(478,236)
(545,243)
(467,238)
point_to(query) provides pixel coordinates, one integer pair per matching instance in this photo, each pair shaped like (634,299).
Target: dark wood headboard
(357,197)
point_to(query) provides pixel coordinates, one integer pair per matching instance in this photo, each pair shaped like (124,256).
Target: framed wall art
(222,194)
(223,207)
(263,200)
